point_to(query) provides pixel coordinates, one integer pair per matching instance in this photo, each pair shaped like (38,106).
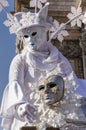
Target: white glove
(26,112)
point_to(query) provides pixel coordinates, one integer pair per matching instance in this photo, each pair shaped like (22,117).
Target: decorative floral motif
(27,19)
(3,3)
(57,30)
(73,16)
(38,3)
(60,29)
(10,23)
(56,115)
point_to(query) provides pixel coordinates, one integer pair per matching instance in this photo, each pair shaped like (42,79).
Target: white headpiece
(23,20)
(28,19)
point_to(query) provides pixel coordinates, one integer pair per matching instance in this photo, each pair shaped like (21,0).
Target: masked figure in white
(38,60)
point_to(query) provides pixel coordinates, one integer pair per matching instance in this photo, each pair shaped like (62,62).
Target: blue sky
(7,49)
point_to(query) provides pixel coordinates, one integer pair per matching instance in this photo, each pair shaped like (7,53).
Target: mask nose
(32,44)
(46,90)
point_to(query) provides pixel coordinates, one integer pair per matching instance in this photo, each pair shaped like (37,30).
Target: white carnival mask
(34,37)
(51,90)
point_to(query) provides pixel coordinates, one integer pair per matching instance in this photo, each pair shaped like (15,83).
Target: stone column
(17,6)
(83,46)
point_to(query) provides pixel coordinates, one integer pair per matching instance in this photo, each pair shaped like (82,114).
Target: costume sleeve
(14,92)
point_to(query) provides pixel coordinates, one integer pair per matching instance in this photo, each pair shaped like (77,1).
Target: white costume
(25,72)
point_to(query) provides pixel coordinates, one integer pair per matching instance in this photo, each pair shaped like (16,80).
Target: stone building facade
(74,45)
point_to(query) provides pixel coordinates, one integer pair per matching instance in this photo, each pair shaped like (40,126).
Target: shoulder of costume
(19,58)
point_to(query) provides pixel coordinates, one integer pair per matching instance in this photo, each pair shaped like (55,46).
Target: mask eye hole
(52,85)
(26,36)
(34,33)
(41,87)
